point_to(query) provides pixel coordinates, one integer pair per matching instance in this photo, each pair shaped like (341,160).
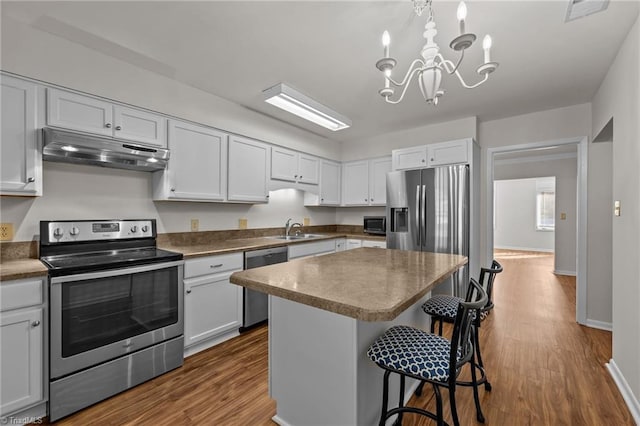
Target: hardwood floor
(545,369)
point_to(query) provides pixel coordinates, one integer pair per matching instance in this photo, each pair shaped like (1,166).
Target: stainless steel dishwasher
(256,307)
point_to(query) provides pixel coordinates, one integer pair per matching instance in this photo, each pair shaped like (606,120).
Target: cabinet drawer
(20,293)
(213,265)
(374,244)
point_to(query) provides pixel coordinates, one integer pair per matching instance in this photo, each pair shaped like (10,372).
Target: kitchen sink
(297,237)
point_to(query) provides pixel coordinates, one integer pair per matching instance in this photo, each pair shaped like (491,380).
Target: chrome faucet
(288,226)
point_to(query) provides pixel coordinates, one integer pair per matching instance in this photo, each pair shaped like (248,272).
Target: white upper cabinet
(355,183)
(293,166)
(87,114)
(330,183)
(409,158)
(365,182)
(436,154)
(20,159)
(453,152)
(378,169)
(140,126)
(197,169)
(248,164)
(308,169)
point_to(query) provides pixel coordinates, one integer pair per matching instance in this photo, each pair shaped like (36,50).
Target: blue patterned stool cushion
(442,306)
(446,306)
(413,351)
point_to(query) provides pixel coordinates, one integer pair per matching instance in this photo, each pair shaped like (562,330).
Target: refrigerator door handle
(418,216)
(423,212)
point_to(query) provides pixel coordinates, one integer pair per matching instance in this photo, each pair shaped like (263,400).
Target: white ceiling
(328,51)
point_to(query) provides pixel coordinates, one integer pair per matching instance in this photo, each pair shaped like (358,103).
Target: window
(545,210)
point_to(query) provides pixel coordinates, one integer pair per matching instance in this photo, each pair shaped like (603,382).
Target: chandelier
(429,68)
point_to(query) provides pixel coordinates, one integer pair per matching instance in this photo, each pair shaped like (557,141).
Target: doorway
(559,147)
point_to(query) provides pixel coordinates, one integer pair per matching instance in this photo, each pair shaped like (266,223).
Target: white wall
(383,144)
(619,97)
(515,217)
(103,193)
(565,171)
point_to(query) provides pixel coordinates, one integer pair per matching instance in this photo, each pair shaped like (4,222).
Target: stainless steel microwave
(375,225)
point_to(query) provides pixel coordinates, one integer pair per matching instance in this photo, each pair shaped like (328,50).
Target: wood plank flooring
(545,369)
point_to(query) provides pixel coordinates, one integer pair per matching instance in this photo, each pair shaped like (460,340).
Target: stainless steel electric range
(115,309)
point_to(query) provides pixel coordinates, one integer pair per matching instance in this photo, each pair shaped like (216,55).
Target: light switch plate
(616,208)
(242,223)
(195,225)
(306,221)
(6,231)
(563,216)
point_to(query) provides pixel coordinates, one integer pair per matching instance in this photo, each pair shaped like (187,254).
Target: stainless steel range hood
(71,147)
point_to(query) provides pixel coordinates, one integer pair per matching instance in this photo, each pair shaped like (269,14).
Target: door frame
(581,220)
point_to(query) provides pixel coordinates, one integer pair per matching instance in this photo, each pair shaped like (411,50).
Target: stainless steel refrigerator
(428,210)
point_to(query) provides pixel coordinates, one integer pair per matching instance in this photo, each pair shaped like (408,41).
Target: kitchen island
(324,312)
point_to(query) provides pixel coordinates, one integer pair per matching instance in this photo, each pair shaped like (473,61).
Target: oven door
(102,315)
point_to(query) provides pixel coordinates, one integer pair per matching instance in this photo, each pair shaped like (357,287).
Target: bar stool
(412,352)
(443,308)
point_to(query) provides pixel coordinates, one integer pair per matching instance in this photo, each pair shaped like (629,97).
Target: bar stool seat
(413,351)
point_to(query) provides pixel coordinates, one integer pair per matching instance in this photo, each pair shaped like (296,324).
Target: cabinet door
(21,164)
(22,359)
(248,162)
(212,306)
(140,126)
(198,163)
(330,183)
(77,112)
(284,164)
(454,152)
(378,169)
(341,244)
(409,158)
(308,169)
(355,183)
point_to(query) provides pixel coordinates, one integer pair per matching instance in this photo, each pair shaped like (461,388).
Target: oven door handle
(115,272)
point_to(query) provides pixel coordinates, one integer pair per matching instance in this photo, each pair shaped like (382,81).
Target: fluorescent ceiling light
(292,101)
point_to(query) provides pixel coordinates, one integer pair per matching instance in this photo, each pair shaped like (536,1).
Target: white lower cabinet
(316,248)
(22,351)
(353,244)
(212,305)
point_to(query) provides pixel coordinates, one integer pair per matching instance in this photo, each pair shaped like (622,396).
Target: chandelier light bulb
(462,15)
(387,73)
(486,45)
(386,41)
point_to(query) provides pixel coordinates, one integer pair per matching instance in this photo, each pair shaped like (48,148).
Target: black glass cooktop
(66,264)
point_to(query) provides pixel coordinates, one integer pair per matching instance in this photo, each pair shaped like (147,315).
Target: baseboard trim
(602,325)
(561,272)
(625,390)
(543,250)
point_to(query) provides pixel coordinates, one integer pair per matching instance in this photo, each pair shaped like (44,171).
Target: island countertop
(368,284)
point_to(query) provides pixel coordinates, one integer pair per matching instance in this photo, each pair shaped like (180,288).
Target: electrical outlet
(6,231)
(306,221)
(195,225)
(242,223)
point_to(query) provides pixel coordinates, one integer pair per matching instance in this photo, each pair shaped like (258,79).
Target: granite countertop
(26,267)
(245,244)
(22,268)
(367,284)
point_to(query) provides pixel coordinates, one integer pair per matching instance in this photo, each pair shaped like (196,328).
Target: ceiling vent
(581,8)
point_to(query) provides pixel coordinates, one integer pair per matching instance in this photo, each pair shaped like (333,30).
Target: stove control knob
(74,231)
(145,228)
(134,229)
(58,233)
